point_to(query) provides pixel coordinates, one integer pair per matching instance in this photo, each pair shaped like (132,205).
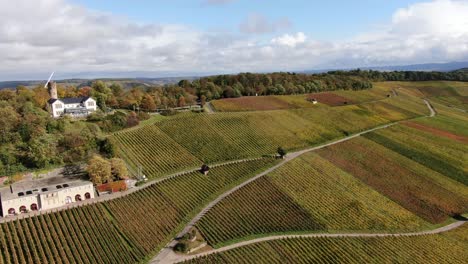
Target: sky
(155,38)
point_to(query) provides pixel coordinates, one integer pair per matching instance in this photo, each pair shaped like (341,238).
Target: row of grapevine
(425,192)
(307,194)
(441,248)
(441,154)
(258,208)
(78,235)
(154,150)
(151,216)
(124,230)
(187,140)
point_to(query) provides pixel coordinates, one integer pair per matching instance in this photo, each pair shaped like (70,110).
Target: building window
(11,211)
(90,104)
(59,106)
(77,198)
(33,207)
(68,200)
(87,196)
(22,209)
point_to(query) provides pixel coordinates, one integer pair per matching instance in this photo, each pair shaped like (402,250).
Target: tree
(147,103)
(281,152)
(132,120)
(106,146)
(203,100)
(84,91)
(99,170)
(181,101)
(8,123)
(41,151)
(119,169)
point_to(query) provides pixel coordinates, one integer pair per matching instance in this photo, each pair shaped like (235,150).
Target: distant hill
(125,82)
(145,81)
(441,67)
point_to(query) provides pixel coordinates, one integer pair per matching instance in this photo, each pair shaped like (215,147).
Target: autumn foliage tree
(99,170)
(147,103)
(119,169)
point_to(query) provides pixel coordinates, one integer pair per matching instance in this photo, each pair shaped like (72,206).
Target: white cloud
(45,35)
(290,40)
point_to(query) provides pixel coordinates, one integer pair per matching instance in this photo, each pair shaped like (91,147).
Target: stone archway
(33,207)
(77,198)
(87,196)
(11,211)
(22,209)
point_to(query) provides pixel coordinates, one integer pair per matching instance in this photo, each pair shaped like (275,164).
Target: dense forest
(31,139)
(459,75)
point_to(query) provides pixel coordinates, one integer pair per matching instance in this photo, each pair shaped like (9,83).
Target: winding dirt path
(167,255)
(431,108)
(178,258)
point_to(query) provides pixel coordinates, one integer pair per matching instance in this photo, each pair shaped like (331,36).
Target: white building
(44,198)
(75,107)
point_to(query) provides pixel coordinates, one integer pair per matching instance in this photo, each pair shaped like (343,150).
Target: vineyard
(425,192)
(330,99)
(188,140)
(457,125)
(171,203)
(124,230)
(258,208)
(261,103)
(307,194)
(441,154)
(440,92)
(447,247)
(79,235)
(334,98)
(154,150)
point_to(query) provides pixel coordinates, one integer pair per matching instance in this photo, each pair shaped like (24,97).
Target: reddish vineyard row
(384,171)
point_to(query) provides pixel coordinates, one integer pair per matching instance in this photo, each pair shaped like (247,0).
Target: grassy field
(124,230)
(447,247)
(307,194)
(188,140)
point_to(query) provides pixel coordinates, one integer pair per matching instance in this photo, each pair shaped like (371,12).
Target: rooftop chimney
(52,88)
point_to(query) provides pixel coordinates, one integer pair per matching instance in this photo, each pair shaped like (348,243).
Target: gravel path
(167,255)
